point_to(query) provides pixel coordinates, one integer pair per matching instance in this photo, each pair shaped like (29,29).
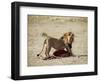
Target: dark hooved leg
(69,51)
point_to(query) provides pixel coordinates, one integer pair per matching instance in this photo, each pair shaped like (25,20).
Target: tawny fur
(65,42)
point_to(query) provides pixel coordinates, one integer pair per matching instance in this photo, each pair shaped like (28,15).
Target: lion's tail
(42,48)
(45,35)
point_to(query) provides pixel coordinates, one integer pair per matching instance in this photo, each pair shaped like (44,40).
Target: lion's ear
(65,34)
(73,35)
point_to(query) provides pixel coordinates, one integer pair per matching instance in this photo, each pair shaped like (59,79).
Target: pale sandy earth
(56,27)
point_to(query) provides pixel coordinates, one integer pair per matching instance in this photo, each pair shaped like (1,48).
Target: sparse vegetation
(56,26)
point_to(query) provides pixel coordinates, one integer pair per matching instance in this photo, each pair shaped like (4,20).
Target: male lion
(65,42)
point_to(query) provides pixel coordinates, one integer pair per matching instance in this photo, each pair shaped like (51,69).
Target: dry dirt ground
(56,26)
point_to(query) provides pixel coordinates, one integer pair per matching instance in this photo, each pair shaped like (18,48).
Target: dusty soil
(56,26)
